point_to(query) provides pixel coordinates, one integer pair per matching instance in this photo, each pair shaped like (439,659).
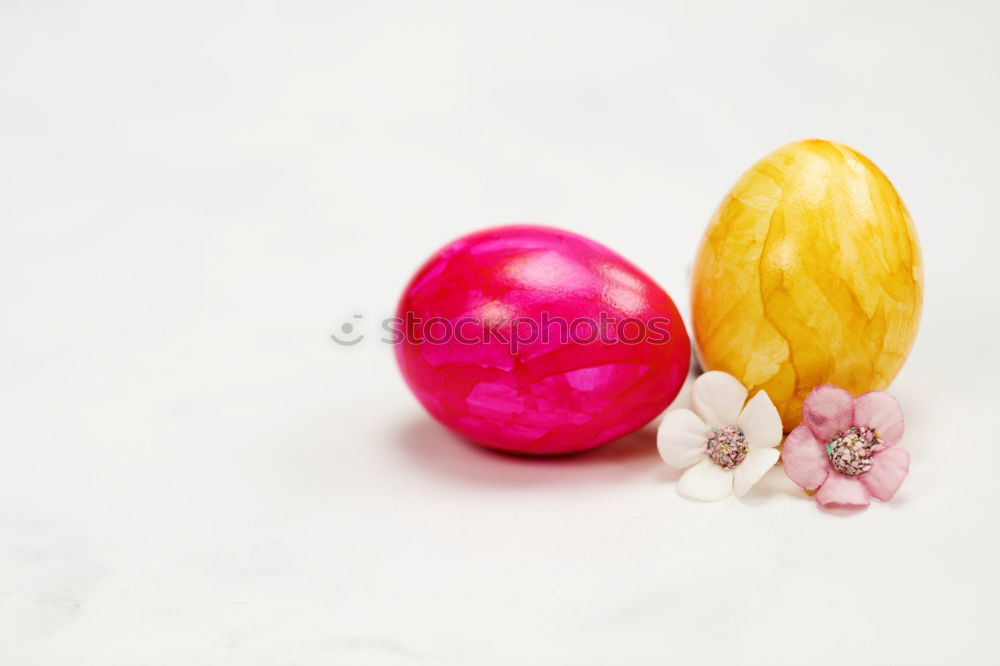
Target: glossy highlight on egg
(472,356)
(809,273)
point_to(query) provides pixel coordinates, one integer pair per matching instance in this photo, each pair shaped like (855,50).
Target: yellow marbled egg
(809,273)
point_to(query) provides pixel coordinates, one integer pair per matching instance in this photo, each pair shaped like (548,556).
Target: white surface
(196,194)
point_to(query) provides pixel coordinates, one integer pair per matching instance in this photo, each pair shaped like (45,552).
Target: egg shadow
(437,450)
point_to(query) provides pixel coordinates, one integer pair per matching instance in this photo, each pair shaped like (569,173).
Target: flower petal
(760,421)
(681,438)
(706,481)
(879,410)
(753,467)
(827,411)
(805,459)
(889,468)
(718,398)
(843,490)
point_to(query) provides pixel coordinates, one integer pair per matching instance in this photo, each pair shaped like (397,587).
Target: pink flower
(845,449)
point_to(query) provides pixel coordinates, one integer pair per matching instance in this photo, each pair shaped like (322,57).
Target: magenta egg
(535,340)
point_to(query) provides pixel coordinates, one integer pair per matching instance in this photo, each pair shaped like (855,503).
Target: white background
(194,195)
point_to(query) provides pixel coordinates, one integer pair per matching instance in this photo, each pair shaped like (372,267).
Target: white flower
(724,447)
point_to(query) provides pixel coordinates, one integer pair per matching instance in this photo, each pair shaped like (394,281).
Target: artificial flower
(845,449)
(722,446)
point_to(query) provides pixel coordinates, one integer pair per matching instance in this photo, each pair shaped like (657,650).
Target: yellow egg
(809,273)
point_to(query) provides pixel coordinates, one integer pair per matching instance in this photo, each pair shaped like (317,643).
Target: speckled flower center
(851,451)
(727,447)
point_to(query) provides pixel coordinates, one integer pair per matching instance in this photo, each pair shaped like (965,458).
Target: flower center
(851,451)
(727,447)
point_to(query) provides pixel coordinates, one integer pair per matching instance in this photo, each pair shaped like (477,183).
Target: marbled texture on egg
(809,273)
(545,396)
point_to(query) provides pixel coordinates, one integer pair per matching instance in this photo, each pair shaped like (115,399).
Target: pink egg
(535,340)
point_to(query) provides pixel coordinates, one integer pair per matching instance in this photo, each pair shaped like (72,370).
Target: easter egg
(535,340)
(809,273)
